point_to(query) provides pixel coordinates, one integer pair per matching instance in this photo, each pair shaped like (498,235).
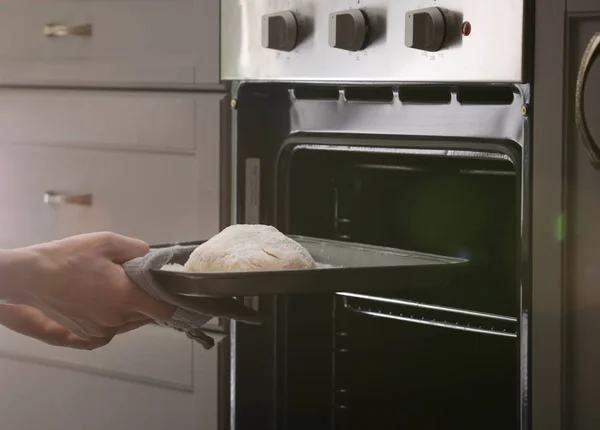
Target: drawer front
(101,120)
(134,355)
(131,42)
(148,163)
(147,379)
(153,197)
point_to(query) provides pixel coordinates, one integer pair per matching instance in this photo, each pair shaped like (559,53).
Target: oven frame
(487,125)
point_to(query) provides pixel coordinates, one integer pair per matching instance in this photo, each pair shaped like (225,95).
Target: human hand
(192,312)
(79,283)
(32,322)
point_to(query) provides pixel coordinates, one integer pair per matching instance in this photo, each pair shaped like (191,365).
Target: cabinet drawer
(149,161)
(126,42)
(114,120)
(134,355)
(154,197)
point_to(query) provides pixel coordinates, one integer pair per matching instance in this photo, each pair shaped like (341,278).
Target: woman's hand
(79,283)
(32,322)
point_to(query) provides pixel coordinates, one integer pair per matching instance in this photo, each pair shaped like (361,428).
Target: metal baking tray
(354,268)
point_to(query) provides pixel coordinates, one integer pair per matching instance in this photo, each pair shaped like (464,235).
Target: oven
(410,154)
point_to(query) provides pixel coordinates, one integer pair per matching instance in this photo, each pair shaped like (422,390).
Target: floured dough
(246,247)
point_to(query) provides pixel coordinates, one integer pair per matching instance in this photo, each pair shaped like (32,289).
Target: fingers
(120,248)
(133,325)
(71,340)
(138,317)
(152,308)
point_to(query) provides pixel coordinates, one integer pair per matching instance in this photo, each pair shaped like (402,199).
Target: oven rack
(483,323)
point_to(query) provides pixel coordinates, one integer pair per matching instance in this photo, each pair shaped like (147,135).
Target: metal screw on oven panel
(233,103)
(524,110)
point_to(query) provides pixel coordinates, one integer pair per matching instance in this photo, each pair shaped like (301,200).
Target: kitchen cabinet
(149,43)
(150,163)
(582,293)
(93,137)
(153,379)
(566,222)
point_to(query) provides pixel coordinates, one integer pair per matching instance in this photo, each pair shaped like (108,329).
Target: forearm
(18,274)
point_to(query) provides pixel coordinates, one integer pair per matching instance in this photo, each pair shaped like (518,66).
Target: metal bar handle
(56,198)
(65,30)
(587,61)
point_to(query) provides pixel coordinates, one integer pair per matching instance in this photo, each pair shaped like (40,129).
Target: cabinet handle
(587,61)
(55,198)
(63,30)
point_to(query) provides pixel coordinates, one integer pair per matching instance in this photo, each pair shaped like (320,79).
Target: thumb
(120,249)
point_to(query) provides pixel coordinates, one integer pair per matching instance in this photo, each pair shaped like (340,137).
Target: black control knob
(280,31)
(425,29)
(348,30)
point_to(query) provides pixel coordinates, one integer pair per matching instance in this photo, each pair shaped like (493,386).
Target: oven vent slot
(485,95)
(417,94)
(431,315)
(370,94)
(316,92)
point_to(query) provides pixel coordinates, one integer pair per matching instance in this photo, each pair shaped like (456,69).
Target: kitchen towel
(191,312)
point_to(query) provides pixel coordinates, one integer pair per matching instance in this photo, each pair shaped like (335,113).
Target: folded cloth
(191,312)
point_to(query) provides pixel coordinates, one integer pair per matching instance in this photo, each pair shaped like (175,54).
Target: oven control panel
(373,40)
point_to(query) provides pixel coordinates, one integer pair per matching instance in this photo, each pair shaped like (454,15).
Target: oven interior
(436,358)
(443,357)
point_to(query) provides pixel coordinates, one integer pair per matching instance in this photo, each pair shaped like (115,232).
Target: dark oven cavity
(443,357)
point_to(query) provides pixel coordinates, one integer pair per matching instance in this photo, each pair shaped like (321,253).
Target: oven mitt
(192,312)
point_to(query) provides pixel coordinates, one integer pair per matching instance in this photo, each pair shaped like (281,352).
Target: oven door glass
(444,357)
(435,358)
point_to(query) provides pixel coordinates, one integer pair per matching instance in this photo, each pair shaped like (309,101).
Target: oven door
(432,174)
(444,357)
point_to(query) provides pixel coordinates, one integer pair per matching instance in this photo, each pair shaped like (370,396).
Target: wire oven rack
(405,310)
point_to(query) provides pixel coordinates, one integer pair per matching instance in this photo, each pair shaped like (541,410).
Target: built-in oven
(379,156)
(443,357)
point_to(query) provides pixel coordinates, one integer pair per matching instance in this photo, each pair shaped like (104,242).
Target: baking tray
(355,268)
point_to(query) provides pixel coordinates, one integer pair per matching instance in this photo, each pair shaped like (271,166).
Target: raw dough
(247,247)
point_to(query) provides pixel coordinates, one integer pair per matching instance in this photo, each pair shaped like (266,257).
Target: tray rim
(435,259)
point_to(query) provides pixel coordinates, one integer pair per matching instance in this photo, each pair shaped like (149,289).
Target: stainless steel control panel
(373,40)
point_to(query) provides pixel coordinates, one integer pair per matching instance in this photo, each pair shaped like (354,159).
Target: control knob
(280,31)
(425,29)
(348,30)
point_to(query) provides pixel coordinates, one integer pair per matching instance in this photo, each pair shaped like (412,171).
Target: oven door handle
(587,61)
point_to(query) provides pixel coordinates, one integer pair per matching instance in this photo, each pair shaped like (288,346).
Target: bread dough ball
(247,247)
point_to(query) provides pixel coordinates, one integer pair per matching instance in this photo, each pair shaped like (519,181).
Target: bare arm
(79,283)
(17,274)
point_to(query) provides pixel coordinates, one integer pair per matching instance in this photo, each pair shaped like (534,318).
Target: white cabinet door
(109,42)
(150,162)
(151,379)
